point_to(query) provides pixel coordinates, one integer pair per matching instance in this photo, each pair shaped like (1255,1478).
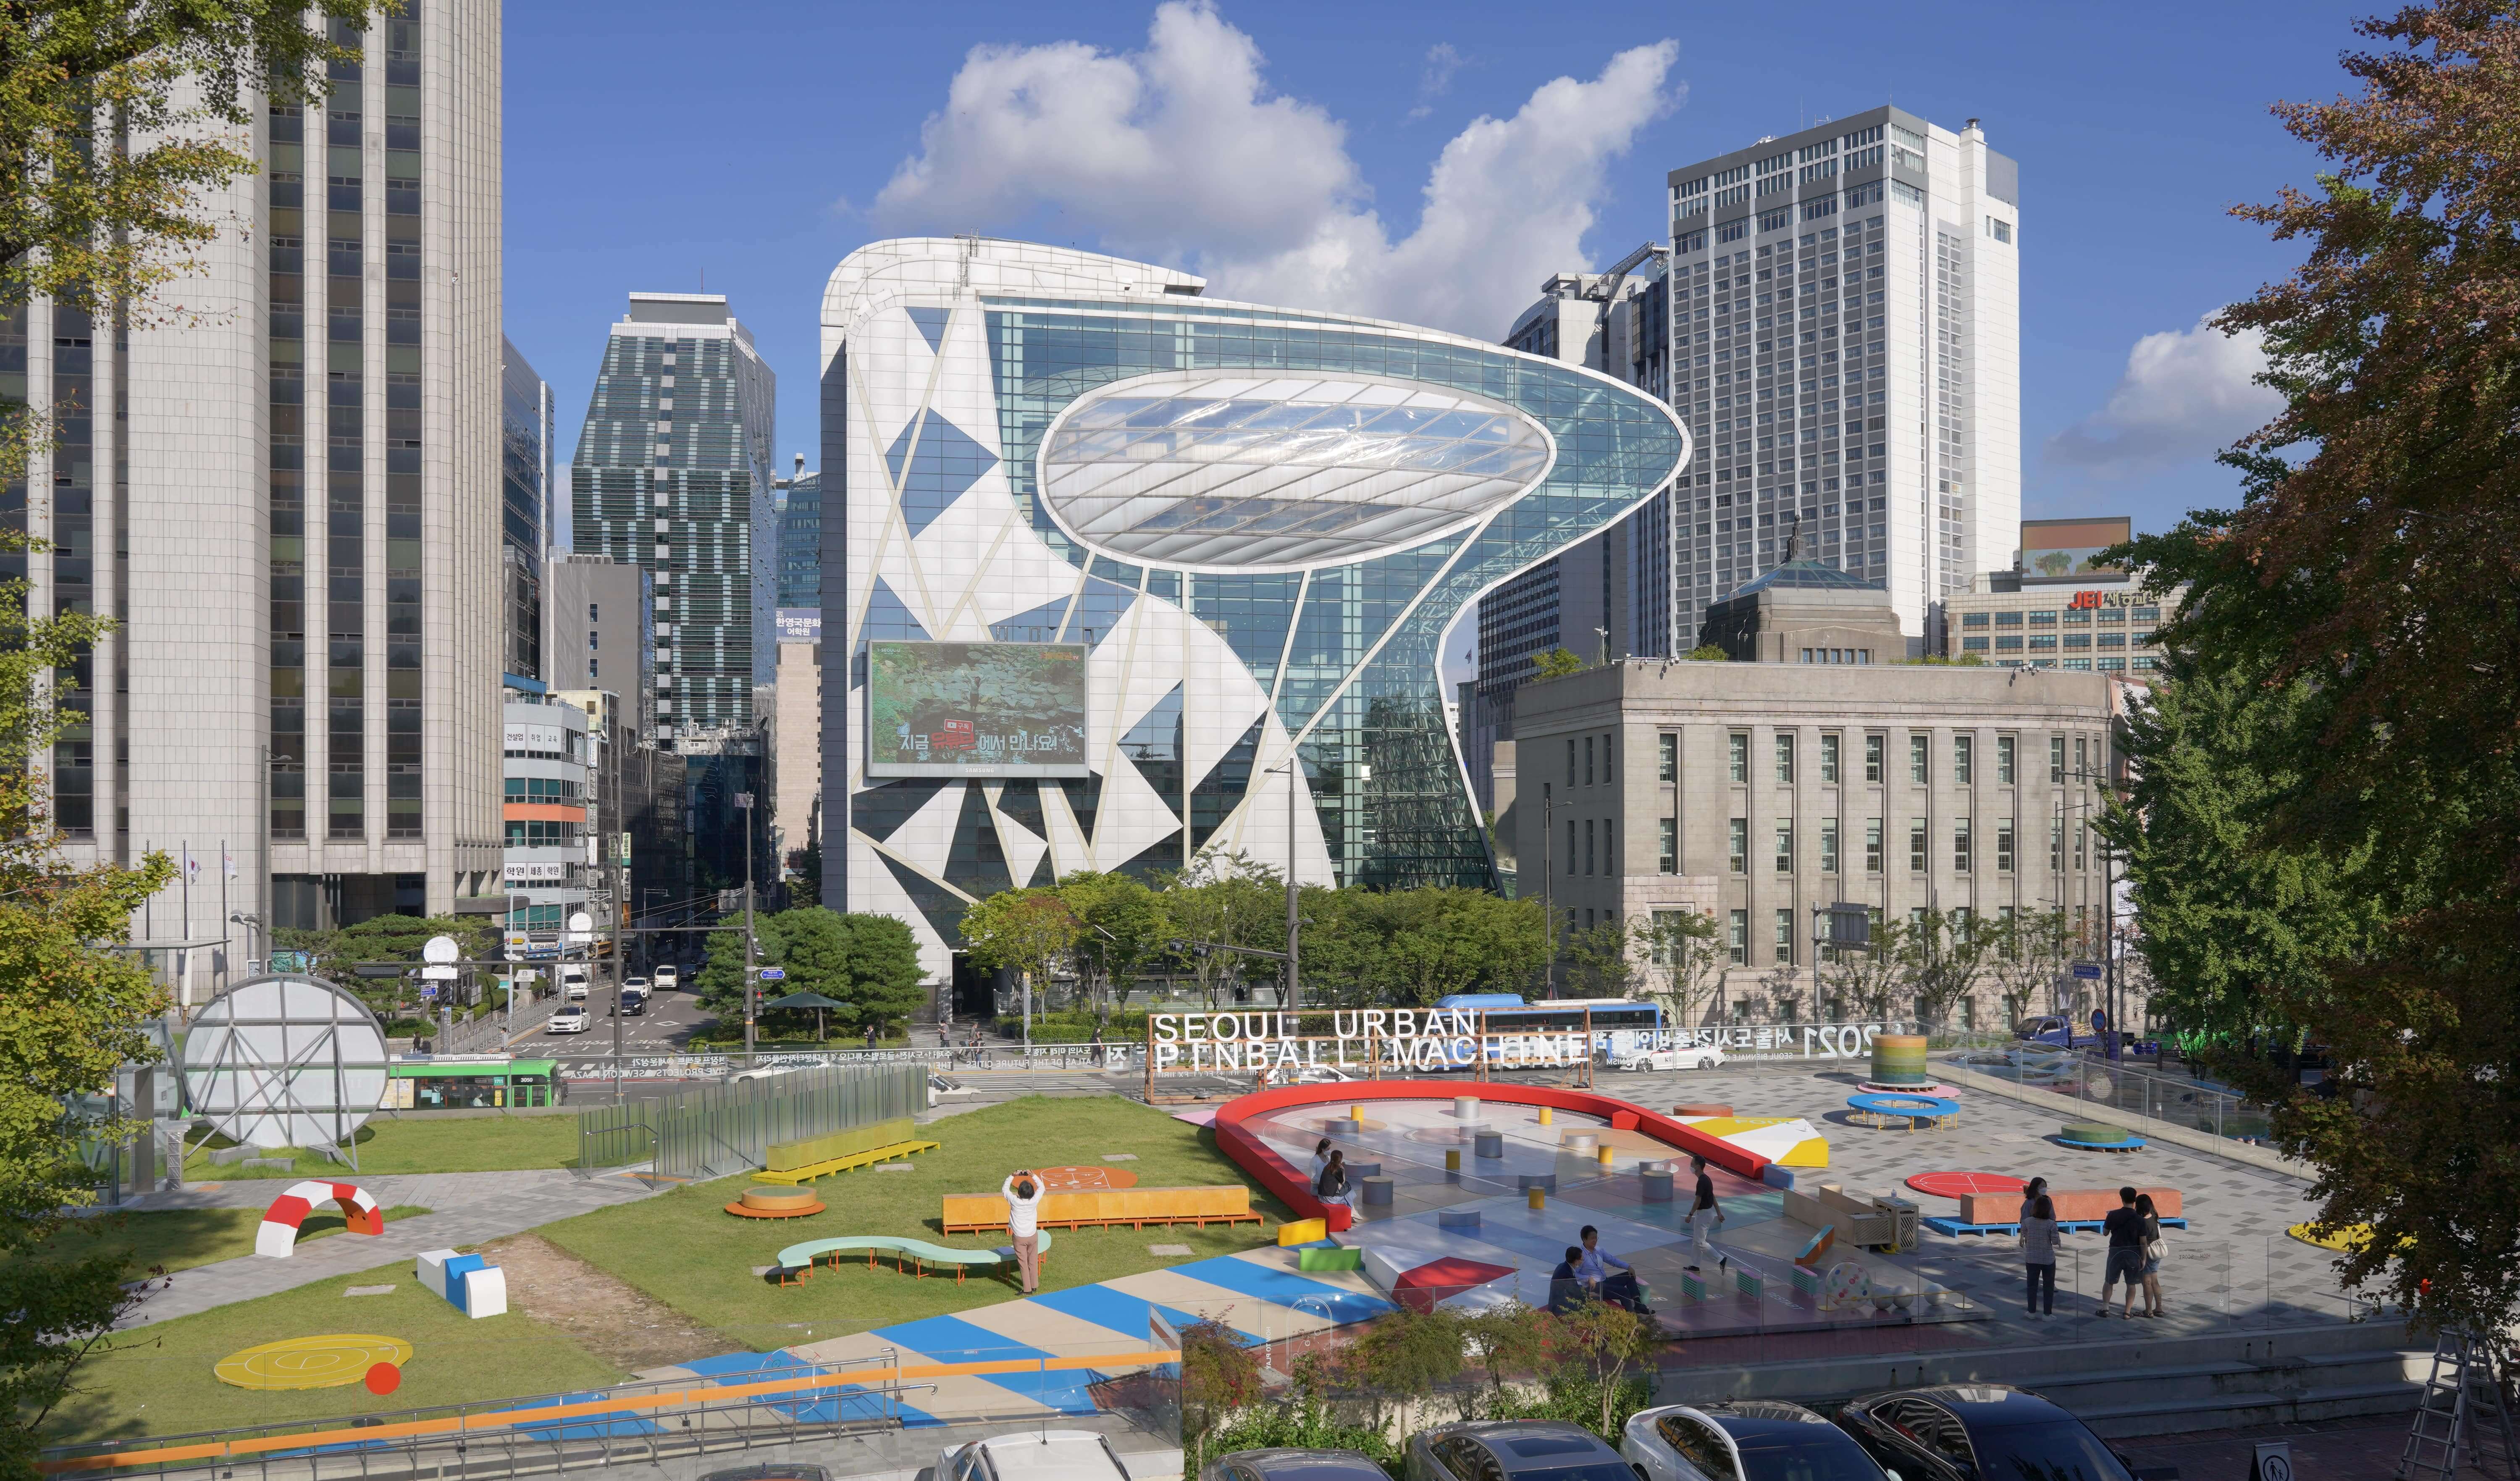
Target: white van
(572,982)
(668,978)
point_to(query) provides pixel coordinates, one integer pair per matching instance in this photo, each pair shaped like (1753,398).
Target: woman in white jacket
(1022,1193)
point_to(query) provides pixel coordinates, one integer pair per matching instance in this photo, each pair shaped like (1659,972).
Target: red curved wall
(1293,1189)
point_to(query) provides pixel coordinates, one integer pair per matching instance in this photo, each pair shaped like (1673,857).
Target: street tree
(1226,898)
(1861,978)
(1685,958)
(1939,955)
(1027,931)
(1602,960)
(2374,560)
(1120,927)
(2031,951)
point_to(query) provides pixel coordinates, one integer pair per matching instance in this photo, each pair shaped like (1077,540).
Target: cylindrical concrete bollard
(1466,1107)
(1378,1191)
(1489,1144)
(1537,1198)
(1657,1182)
(1581,1143)
(1544,1115)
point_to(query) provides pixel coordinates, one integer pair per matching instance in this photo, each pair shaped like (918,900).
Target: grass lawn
(157,1381)
(685,1250)
(423,1144)
(179,1238)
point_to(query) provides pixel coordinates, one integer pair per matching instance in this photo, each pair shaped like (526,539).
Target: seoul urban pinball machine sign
(1401,1040)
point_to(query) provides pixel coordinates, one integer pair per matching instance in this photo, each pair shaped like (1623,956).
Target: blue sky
(1289,150)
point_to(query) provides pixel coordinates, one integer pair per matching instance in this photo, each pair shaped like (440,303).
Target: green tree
(1597,1343)
(882,979)
(1226,898)
(2370,562)
(1601,961)
(1402,1359)
(1940,954)
(1707,653)
(1685,958)
(2030,951)
(1557,663)
(339,951)
(1218,1377)
(720,982)
(1120,927)
(1024,930)
(1861,979)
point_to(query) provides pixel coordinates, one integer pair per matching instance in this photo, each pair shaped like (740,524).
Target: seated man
(1593,1270)
(1566,1287)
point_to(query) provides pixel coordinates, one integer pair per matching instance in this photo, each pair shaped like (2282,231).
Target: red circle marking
(383,1378)
(1959,1185)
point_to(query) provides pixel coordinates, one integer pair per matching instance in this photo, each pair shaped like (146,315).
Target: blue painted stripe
(950,1339)
(1124,1313)
(1281,1287)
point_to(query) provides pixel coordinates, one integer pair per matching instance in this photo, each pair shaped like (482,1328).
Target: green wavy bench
(797,1261)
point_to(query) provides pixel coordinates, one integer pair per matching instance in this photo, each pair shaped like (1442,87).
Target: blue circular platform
(1881,1108)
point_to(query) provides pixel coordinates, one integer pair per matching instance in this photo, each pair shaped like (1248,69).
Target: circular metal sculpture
(285,1061)
(1243,468)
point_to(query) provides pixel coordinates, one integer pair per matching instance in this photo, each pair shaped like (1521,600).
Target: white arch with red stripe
(278,1234)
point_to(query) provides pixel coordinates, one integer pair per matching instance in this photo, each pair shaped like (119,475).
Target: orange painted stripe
(680,1398)
(544,812)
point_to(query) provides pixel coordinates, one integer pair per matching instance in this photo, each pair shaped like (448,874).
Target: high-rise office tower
(801,539)
(1843,320)
(525,524)
(673,474)
(288,499)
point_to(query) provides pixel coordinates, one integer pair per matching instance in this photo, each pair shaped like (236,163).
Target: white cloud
(1442,62)
(2187,393)
(1182,153)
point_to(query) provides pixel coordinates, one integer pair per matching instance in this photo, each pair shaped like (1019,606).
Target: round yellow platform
(334,1359)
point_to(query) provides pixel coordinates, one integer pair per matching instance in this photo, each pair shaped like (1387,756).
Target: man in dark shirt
(1566,1290)
(2125,1228)
(1704,1213)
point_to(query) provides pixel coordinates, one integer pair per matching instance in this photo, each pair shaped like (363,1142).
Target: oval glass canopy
(1216,469)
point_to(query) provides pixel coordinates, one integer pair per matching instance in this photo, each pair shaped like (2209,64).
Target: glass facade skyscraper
(673,475)
(524,508)
(1257,522)
(800,542)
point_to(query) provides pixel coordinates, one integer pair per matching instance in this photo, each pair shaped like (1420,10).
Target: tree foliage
(1413,945)
(1226,898)
(2360,610)
(868,962)
(1683,961)
(1939,956)
(1557,663)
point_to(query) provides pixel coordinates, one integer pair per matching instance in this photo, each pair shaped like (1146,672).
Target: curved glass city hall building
(1109,550)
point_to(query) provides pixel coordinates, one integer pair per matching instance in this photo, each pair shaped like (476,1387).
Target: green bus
(472,1082)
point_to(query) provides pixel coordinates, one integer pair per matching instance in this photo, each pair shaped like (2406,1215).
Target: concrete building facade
(599,632)
(797,739)
(1758,792)
(289,499)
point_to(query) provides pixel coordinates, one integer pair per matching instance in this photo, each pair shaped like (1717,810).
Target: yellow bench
(792,1176)
(1136,1207)
(812,1157)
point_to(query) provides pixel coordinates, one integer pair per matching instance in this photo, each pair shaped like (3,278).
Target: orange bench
(2074,1205)
(1101,1208)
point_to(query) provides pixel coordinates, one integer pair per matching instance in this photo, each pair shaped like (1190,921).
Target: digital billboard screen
(976,709)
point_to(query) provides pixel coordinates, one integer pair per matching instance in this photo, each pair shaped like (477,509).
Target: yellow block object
(1452,1160)
(2344,1242)
(1229,1203)
(334,1359)
(1302,1231)
(1544,1115)
(1537,1199)
(1606,1155)
(1811,1152)
(1356,1113)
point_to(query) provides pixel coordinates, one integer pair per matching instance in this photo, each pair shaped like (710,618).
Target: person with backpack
(2154,1249)
(2039,1237)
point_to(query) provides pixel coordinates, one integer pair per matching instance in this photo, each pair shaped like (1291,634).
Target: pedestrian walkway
(469,1208)
(1257,1293)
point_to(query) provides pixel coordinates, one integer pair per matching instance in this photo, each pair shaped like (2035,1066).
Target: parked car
(1690,1056)
(1293,1465)
(1745,1440)
(568,1019)
(773,1471)
(1503,1449)
(1033,1454)
(1966,1431)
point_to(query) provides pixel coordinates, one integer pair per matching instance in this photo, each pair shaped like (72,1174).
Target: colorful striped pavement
(1258,1293)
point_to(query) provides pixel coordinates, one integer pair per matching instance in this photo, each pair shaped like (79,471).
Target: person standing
(2154,1248)
(2039,1237)
(2029,1198)
(1704,1214)
(1022,1193)
(2125,1228)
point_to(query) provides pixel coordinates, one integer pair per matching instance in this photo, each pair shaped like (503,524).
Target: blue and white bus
(1620,1026)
